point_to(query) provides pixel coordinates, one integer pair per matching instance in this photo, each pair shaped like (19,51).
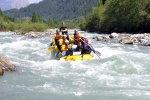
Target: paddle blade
(56,54)
(49,48)
(98,53)
(63,53)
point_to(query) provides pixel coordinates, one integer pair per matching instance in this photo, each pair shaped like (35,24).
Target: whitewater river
(122,72)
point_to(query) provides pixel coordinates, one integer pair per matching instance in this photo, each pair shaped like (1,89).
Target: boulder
(99,38)
(1,72)
(6,65)
(126,40)
(144,42)
(113,35)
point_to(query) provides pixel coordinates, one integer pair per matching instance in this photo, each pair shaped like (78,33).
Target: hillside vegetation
(35,23)
(132,16)
(56,9)
(118,16)
(46,14)
(24,24)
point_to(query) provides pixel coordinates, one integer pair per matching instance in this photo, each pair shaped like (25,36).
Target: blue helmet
(75,31)
(57,31)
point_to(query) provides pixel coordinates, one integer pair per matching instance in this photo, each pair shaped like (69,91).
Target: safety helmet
(75,31)
(64,36)
(66,41)
(57,31)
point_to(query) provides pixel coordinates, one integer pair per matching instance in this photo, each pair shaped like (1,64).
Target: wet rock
(6,65)
(135,41)
(144,42)
(36,34)
(1,72)
(113,35)
(126,40)
(99,38)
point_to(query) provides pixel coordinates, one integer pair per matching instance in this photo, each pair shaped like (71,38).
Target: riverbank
(125,38)
(36,34)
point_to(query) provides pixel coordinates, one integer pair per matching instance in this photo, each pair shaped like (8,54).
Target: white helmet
(66,41)
(64,35)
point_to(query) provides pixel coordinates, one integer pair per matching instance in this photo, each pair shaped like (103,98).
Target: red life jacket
(77,38)
(58,36)
(66,46)
(63,42)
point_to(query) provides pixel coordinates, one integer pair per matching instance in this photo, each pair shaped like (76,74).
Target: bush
(38,27)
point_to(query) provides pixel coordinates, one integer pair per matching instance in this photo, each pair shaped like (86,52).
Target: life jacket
(63,41)
(64,47)
(77,38)
(58,36)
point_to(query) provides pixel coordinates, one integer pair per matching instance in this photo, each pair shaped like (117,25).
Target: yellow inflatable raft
(78,57)
(75,56)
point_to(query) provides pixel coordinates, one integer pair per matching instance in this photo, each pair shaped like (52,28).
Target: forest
(46,14)
(35,23)
(132,16)
(56,9)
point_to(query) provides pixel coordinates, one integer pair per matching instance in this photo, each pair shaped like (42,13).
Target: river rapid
(122,72)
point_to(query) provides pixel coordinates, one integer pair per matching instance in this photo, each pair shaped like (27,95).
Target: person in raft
(56,38)
(64,44)
(86,49)
(64,30)
(76,39)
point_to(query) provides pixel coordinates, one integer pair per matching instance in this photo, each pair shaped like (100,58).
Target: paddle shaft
(95,52)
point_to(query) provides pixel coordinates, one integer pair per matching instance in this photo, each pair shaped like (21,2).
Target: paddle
(91,47)
(96,52)
(63,53)
(60,54)
(50,47)
(56,54)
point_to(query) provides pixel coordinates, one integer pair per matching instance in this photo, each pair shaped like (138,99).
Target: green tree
(39,19)
(103,2)
(56,9)
(92,21)
(1,13)
(119,16)
(34,17)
